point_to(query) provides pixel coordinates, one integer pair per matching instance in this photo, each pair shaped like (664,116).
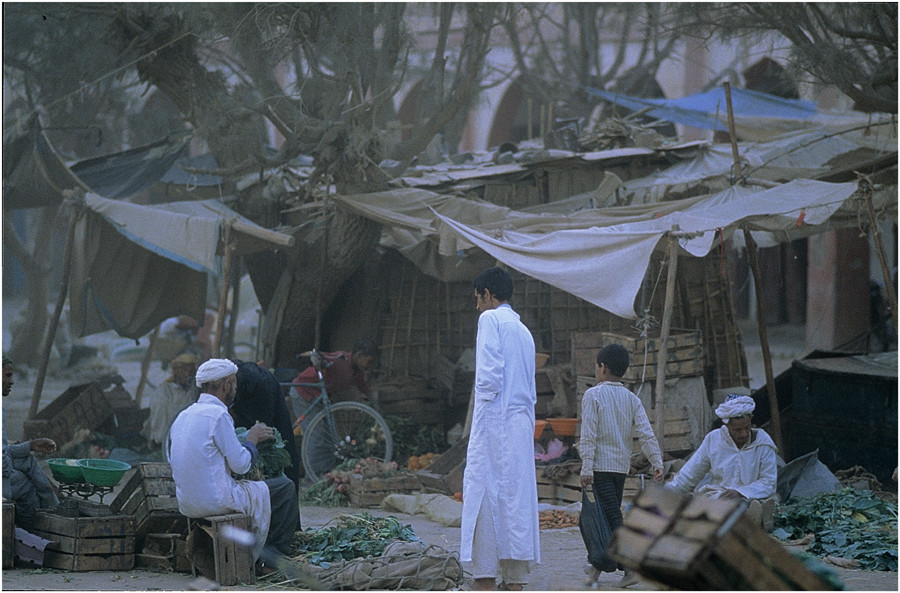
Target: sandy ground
(562,550)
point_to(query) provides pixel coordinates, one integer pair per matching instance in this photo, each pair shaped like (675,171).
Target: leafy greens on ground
(848,523)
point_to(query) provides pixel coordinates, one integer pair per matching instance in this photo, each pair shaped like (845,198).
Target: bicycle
(335,432)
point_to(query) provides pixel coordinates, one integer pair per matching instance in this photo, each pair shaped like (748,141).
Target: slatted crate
(149,496)
(86,543)
(445,472)
(164,552)
(684,357)
(80,406)
(369,491)
(214,552)
(567,491)
(698,543)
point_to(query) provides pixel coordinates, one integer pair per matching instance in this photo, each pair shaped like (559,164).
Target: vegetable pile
(850,524)
(412,438)
(273,457)
(353,536)
(557,519)
(417,462)
(333,490)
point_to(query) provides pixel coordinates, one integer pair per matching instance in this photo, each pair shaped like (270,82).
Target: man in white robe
(739,460)
(204,450)
(175,394)
(500,531)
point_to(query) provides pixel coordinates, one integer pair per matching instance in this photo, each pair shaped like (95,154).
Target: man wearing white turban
(739,461)
(204,450)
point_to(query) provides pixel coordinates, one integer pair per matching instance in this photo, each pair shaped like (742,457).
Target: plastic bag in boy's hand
(595,532)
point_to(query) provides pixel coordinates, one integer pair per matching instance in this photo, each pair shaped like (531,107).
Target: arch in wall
(510,120)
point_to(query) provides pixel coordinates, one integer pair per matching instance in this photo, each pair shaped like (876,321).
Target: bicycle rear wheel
(358,432)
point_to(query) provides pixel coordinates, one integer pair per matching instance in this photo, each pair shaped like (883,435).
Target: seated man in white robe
(174,395)
(204,451)
(739,460)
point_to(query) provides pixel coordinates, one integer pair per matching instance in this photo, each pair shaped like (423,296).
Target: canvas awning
(134,266)
(602,255)
(757,115)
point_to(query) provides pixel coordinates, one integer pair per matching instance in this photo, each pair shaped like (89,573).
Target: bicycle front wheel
(358,431)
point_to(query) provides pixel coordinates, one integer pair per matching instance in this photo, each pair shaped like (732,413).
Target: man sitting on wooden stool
(740,461)
(204,450)
(24,482)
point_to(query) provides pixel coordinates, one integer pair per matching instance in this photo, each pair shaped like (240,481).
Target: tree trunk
(350,238)
(26,341)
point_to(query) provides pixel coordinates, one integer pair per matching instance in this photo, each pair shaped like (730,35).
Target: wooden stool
(215,554)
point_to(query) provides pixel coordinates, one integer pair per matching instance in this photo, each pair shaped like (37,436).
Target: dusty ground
(563,553)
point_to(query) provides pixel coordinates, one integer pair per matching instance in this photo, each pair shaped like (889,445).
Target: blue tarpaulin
(708,110)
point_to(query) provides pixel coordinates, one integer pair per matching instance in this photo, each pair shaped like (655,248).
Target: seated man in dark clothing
(260,399)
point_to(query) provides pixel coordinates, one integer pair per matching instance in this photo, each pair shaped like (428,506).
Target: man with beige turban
(174,395)
(739,460)
(204,451)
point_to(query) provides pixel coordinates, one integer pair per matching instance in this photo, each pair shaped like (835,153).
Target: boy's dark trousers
(609,488)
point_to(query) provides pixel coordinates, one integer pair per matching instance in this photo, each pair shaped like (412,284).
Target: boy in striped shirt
(611,416)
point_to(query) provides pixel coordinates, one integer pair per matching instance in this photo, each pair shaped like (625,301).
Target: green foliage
(273,457)
(323,493)
(353,536)
(412,438)
(849,524)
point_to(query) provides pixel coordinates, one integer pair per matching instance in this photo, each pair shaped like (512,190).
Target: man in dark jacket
(260,399)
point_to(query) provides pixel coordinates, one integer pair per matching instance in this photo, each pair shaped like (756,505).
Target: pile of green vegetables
(353,536)
(273,457)
(413,438)
(849,523)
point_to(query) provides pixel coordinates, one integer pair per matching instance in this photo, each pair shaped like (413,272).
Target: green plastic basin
(103,472)
(66,471)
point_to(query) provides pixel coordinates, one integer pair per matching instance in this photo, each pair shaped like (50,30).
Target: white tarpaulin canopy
(601,256)
(133,266)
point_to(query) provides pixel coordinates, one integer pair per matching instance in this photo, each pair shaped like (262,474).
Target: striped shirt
(611,416)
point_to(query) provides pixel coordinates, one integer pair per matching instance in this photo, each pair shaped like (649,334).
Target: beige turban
(735,406)
(185,358)
(214,369)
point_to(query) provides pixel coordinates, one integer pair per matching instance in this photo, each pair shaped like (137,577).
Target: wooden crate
(369,492)
(164,552)
(697,543)
(9,533)
(569,490)
(215,554)
(413,400)
(86,543)
(559,492)
(684,357)
(80,406)
(149,496)
(445,473)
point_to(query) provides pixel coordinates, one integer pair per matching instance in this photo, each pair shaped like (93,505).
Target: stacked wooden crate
(86,543)
(697,543)
(684,356)
(566,490)
(149,496)
(412,399)
(685,359)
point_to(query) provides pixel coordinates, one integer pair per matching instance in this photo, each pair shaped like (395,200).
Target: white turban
(735,406)
(213,369)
